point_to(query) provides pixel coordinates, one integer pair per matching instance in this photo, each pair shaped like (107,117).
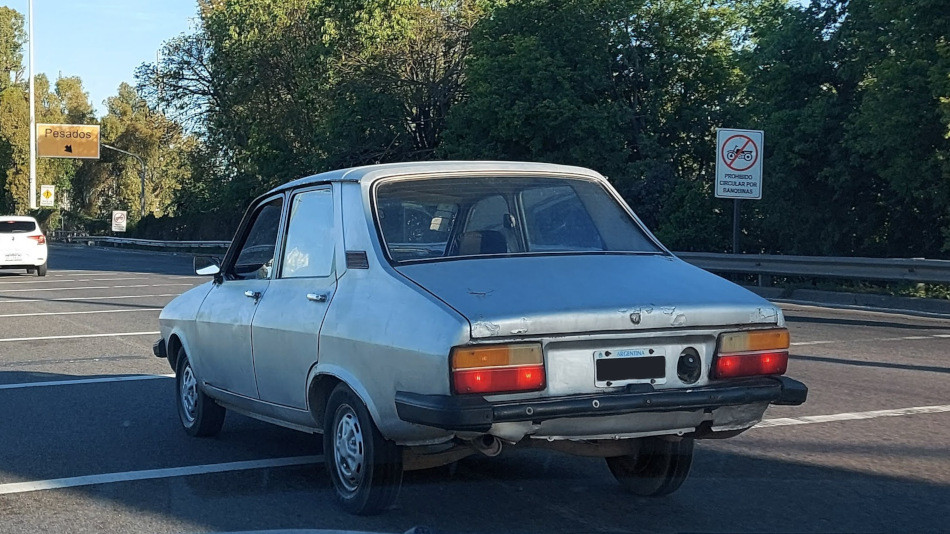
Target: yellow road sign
(67,141)
(47,195)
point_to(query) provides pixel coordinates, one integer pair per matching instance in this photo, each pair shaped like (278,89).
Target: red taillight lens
(526,378)
(40,239)
(753,364)
(497,368)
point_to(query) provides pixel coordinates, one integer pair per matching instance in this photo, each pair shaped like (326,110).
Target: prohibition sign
(740,154)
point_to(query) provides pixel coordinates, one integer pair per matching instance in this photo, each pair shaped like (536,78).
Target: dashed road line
(867,340)
(78,336)
(852,416)
(82,299)
(98,380)
(47,281)
(88,287)
(42,314)
(148,474)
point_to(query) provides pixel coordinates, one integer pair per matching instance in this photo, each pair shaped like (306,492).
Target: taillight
(497,368)
(751,353)
(40,239)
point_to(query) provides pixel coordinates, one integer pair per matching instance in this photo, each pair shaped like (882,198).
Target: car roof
(371,173)
(16,218)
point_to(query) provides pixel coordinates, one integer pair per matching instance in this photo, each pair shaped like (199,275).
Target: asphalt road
(82,396)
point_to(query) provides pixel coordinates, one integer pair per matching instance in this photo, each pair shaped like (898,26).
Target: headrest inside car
(483,242)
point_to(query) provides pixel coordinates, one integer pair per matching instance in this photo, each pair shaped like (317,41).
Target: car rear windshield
(433,218)
(11,227)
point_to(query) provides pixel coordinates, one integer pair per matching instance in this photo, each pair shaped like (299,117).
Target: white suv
(22,245)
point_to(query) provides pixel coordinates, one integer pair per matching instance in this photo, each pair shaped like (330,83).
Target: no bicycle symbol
(740,153)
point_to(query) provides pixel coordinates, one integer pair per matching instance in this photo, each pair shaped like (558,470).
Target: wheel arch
(322,381)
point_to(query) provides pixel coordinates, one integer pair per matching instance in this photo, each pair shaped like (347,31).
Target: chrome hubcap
(188,391)
(348,448)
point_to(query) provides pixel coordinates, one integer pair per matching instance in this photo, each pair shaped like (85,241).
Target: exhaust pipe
(488,445)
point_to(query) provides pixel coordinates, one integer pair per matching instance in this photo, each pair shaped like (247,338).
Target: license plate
(12,257)
(630,366)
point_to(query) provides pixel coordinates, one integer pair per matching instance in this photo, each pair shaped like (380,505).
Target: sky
(102,41)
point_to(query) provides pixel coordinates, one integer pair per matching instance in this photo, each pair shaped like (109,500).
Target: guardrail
(880,269)
(764,265)
(148,243)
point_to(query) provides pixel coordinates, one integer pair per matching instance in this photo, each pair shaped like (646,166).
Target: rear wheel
(659,468)
(41,270)
(365,468)
(199,414)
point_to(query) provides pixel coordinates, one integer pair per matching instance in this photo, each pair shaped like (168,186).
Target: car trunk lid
(564,294)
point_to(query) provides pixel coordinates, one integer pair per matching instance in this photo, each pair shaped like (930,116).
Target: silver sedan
(416,313)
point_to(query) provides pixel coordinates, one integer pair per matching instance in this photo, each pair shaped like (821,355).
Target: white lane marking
(81,299)
(78,280)
(83,381)
(127,476)
(853,416)
(871,340)
(87,287)
(78,336)
(78,312)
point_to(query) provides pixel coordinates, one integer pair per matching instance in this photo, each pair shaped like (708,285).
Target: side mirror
(207,266)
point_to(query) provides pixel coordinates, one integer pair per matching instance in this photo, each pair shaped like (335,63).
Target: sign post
(738,170)
(47,196)
(118,221)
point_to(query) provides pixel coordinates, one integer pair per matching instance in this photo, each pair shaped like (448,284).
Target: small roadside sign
(47,196)
(67,141)
(118,221)
(739,163)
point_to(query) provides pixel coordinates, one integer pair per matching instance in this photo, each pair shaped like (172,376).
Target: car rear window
(436,218)
(11,227)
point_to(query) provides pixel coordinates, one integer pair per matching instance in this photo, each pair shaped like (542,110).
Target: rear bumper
(475,413)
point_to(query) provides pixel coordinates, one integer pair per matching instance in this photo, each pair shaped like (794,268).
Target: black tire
(367,473)
(41,270)
(199,414)
(31,270)
(659,468)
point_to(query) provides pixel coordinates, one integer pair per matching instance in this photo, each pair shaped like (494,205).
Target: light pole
(142,162)
(32,117)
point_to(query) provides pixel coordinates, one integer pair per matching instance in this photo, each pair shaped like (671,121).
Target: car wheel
(365,468)
(41,270)
(31,270)
(199,414)
(659,468)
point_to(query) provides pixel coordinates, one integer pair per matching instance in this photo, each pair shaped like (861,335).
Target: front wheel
(659,468)
(199,414)
(365,468)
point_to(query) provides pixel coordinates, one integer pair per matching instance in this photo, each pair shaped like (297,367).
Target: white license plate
(12,257)
(629,366)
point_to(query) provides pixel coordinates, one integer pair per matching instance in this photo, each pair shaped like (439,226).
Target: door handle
(317,297)
(252,294)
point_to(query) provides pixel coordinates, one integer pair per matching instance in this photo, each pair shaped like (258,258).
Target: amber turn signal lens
(753,340)
(474,357)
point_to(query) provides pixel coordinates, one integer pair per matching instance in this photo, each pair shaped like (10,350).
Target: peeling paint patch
(485,329)
(523,329)
(679,319)
(764,315)
(668,310)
